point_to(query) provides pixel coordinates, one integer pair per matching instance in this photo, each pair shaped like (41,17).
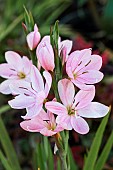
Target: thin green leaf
(104,155)
(4,108)
(93,153)
(5,162)
(8,147)
(72,161)
(11,27)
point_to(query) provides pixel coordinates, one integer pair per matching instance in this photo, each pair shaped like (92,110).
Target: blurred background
(89,23)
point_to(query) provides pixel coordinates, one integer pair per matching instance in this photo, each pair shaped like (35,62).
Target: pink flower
(45,54)
(83,68)
(31,95)
(65,48)
(16,69)
(44,123)
(33,38)
(72,110)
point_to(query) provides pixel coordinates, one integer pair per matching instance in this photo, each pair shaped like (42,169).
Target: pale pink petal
(33,39)
(47,132)
(64,121)
(83,98)
(43,115)
(36,28)
(33,111)
(79,125)
(4,87)
(36,79)
(21,87)
(56,107)
(48,83)
(33,125)
(14,60)
(94,110)
(81,85)
(67,44)
(66,91)
(96,63)
(27,64)
(6,71)
(91,77)
(21,102)
(45,55)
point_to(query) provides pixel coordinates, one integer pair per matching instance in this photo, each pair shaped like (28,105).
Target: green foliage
(92,156)
(8,149)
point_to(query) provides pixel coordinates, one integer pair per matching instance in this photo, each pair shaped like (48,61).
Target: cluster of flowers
(30,88)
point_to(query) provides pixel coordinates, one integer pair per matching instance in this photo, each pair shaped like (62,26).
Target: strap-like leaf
(93,153)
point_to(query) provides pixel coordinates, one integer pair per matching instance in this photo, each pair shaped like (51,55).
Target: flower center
(70,111)
(51,126)
(21,75)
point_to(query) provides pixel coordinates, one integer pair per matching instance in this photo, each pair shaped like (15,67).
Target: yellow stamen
(21,75)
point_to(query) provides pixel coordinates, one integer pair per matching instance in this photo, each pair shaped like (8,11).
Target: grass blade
(4,109)
(5,162)
(93,153)
(104,155)
(8,147)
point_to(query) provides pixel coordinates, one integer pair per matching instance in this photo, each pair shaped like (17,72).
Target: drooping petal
(66,91)
(36,79)
(64,121)
(14,60)
(83,98)
(48,83)
(94,110)
(4,87)
(21,102)
(56,107)
(79,125)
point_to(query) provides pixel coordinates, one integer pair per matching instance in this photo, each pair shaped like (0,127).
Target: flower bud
(33,38)
(45,55)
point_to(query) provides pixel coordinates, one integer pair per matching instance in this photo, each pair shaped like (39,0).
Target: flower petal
(90,77)
(47,132)
(66,91)
(79,125)
(36,79)
(64,121)
(21,102)
(83,98)
(56,107)
(94,110)
(14,60)
(48,83)
(4,87)
(7,72)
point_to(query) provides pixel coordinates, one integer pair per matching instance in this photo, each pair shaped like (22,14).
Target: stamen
(21,75)
(88,63)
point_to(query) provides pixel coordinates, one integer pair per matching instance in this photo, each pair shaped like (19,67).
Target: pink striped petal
(66,91)
(7,72)
(81,85)
(91,77)
(79,125)
(47,132)
(94,110)
(83,98)
(14,60)
(33,125)
(64,121)
(21,102)
(36,79)
(4,87)
(27,64)
(56,108)
(48,83)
